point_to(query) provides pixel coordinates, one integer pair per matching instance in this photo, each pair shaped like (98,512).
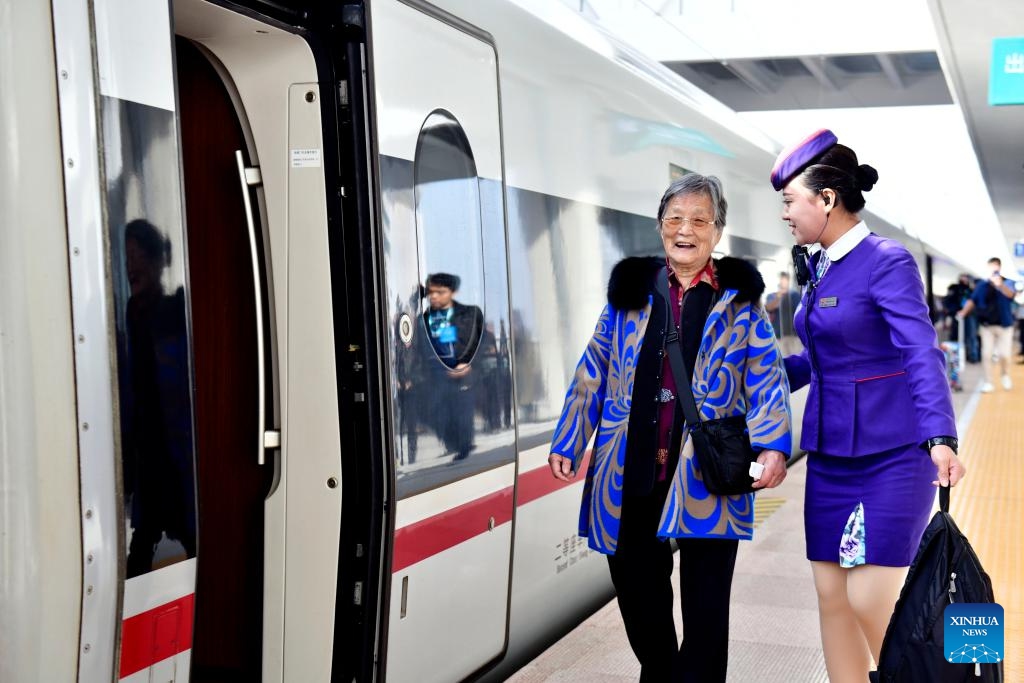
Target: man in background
(781,305)
(992,302)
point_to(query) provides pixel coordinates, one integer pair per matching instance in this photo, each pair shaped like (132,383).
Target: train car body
(237,441)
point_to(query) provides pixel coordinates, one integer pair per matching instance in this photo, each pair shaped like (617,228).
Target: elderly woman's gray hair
(695,183)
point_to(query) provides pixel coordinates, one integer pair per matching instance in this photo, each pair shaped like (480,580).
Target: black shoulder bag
(722,447)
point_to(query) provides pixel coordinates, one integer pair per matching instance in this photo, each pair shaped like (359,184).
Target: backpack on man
(988,312)
(946,570)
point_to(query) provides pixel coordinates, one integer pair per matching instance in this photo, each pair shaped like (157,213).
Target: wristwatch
(941,441)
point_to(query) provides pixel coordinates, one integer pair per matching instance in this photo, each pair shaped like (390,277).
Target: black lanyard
(674,348)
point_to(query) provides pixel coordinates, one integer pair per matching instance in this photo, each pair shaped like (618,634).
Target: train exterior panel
(40,532)
(243,437)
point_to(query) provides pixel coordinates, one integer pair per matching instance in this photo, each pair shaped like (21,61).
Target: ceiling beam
(888,65)
(823,72)
(760,79)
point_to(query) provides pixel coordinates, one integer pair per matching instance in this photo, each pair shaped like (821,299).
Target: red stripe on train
(155,635)
(433,535)
(164,631)
(540,482)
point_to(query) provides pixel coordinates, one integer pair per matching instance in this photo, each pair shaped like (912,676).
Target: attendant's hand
(774,470)
(460,370)
(561,468)
(950,469)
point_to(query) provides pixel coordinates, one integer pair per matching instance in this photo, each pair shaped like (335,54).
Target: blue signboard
(1018,249)
(1006,76)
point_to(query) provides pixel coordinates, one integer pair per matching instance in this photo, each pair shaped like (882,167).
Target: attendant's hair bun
(866,176)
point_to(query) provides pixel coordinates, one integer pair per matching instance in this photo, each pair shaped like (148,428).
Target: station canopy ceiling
(904,83)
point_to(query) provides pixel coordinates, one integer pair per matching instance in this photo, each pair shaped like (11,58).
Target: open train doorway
(232,486)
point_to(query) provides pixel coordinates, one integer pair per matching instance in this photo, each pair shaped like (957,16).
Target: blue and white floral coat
(738,371)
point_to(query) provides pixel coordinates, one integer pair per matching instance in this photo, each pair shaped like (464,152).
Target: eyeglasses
(676,221)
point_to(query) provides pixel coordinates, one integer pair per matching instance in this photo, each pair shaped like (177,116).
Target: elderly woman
(643,484)
(879,427)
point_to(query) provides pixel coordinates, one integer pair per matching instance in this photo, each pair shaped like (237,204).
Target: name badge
(828,302)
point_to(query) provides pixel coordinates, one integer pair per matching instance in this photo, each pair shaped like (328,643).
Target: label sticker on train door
(305,158)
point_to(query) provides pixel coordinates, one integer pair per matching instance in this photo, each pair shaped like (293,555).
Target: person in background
(956,295)
(781,305)
(992,302)
(878,425)
(1020,329)
(643,484)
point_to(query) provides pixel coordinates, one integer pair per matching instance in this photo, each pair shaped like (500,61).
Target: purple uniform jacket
(877,378)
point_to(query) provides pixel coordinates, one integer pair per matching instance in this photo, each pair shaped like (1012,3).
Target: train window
(449,241)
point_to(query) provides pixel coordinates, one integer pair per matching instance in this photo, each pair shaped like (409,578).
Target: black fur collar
(632,280)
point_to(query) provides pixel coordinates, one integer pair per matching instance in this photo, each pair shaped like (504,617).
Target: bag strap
(673,346)
(944,498)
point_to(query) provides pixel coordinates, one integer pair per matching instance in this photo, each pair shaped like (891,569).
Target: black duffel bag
(723,451)
(945,571)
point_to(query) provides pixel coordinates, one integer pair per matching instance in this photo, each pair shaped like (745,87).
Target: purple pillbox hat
(796,158)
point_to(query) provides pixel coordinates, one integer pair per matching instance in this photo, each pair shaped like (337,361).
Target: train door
(268,434)
(231,484)
(453,443)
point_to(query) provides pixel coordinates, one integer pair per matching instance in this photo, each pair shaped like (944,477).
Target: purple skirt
(896,490)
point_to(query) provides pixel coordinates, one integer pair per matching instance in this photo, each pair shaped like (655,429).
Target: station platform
(774,632)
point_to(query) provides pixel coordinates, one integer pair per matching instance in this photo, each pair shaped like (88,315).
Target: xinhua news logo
(973,633)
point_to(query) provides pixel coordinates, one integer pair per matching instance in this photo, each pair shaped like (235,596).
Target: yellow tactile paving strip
(764,507)
(988,505)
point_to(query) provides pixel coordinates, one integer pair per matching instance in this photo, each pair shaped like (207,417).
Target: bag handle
(944,498)
(676,360)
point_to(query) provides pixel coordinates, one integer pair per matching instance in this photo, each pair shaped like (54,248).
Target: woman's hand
(774,470)
(561,468)
(950,469)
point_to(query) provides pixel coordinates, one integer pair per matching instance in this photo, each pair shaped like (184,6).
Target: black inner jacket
(642,440)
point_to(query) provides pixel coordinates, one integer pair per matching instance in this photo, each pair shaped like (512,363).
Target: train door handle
(268,439)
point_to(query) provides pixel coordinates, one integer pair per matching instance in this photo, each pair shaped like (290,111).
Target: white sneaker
(987,388)
(1007,384)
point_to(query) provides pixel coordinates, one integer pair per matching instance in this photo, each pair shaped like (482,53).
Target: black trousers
(641,571)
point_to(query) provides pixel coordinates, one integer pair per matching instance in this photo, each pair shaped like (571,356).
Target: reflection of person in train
(454,330)
(530,385)
(504,373)
(496,381)
(407,372)
(156,404)
(494,384)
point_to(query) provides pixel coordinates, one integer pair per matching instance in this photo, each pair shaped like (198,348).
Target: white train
(226,450)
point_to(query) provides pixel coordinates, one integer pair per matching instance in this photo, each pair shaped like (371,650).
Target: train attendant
(878,426)
(643,485)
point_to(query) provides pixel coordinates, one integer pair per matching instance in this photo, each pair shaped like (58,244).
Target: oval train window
(449,240)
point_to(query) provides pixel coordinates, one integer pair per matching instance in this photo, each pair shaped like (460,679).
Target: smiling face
(688,245)
(804,211)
